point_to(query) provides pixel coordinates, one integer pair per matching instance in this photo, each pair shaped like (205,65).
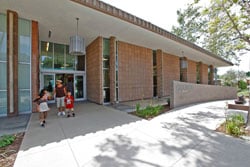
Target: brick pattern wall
(171,71)
(191,71)
(187,93)
(204,73)
(135,72)
(35,62)
(94,71)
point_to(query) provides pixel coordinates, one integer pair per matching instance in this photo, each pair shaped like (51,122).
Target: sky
(163,14)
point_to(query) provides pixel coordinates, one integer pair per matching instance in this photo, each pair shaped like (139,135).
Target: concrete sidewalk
(100,136)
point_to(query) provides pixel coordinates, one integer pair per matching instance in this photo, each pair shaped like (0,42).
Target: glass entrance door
(73,82)
(79,87)
(48,83)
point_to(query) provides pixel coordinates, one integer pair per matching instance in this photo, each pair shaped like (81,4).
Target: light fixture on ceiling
(77,43)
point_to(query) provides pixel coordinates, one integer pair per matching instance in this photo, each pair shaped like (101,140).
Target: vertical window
(3,71)
(80,63)
(24,66)
(154,74)
(46,56)
(59,56)
(183,69)
(105,62)
(70,60)
(198,73)
(116,73)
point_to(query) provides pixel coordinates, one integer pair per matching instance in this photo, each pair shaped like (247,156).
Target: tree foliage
(231,77)
(222,27)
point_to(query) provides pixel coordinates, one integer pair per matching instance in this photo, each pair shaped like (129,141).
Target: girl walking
(42,106)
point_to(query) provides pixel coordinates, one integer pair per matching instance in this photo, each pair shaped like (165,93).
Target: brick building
(126,58)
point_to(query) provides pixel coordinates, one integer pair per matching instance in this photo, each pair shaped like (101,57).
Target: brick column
(211,75)
(112,69)
(94,73)
(12,63)
(159,69)
(35,62)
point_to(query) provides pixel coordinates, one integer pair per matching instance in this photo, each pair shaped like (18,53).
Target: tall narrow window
(154,74)
(183,69)
(106,79)
(59,55)
(24,66)
(198,72)
(46,56)
(116,73)
(3,67)
(70,63)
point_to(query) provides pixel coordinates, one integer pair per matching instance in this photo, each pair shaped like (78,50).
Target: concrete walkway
(100,136)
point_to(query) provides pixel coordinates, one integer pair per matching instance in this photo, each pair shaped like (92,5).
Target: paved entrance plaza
(101,136)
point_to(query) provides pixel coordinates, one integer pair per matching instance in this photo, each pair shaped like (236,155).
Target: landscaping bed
(9,152)
(150,111)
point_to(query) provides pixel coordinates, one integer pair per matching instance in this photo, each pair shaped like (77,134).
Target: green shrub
(6,140)
(149,111)
(242,84)
(137,107)
(234,124)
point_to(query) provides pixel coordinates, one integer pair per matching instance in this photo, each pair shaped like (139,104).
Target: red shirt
(69,101)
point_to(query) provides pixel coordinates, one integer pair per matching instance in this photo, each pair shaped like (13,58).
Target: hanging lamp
(77,43)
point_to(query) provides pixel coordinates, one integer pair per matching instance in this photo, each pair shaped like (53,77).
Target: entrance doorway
(74,82)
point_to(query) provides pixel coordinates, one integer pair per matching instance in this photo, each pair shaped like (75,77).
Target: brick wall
(187,93)
(191,71)
(171,71)
(94,71)
(159,69)
(135,72)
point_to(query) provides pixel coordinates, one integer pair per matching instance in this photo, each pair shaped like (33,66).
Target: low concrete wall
(183,93)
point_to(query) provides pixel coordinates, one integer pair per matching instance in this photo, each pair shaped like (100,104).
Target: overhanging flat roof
(97,18)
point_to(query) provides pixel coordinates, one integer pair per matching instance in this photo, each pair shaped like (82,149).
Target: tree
(248,74)
(222,27)
(231,77)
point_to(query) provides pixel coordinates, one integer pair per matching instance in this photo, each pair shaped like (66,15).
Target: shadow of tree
(206,147)
(121,152)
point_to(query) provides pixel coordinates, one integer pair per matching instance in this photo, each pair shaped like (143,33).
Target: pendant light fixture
(77,43)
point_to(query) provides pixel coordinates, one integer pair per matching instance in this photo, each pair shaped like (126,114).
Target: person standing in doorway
(60,92)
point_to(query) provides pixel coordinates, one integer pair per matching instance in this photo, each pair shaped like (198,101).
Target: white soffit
(58,16)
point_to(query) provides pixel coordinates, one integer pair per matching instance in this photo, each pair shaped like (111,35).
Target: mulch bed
(8,153)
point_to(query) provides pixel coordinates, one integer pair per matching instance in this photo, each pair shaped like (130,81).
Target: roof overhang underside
(59,17)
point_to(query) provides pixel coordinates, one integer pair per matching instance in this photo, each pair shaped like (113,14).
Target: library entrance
(75,82)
